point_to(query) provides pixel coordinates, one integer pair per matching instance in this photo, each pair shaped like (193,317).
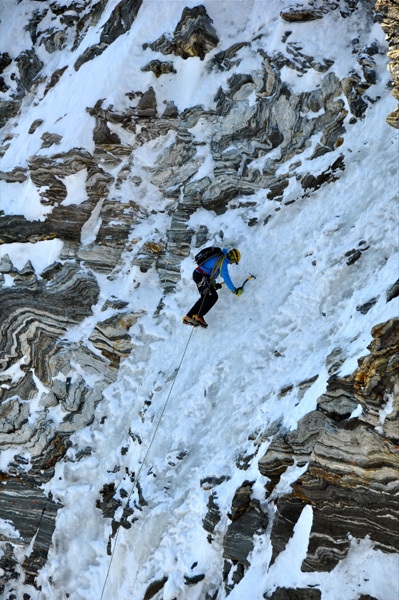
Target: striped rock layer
(38,364)
(352,477)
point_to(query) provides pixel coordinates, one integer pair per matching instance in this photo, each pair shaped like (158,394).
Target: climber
(205,276)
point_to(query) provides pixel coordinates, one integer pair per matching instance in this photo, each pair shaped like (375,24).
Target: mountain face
(258,458)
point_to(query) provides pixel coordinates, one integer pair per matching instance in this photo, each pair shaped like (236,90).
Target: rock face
(255,127)
(247,518)
(351,480)
(120,21)
(389,13)
(34,519)
(194,36)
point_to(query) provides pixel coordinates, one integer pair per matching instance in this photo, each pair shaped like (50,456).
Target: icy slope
(190,413)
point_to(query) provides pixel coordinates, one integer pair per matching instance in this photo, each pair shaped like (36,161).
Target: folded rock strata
(194,35)
(389,11)
(351,481)
(253,114)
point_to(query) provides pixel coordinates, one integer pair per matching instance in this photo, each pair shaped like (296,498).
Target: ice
(211,392)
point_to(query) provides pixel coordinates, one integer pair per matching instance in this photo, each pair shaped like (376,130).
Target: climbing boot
(200,321)
(190,321)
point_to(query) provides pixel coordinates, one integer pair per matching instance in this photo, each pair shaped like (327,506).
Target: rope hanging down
(146,455)
(165,405)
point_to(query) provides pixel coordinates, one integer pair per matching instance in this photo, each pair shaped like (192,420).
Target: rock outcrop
(351,480)
(194,35)
(388,10)
(257,135)
(120,21)
(247,518)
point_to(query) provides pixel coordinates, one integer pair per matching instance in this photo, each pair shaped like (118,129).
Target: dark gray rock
(247,519)
(193,579)
(339,401)
(48,309)
(393,291)
(33,24)
(154,588)
(353,256)
(9,565)
(55,41)
(34,519)
(49,139)
(368,66)
(89,54)
(120,21)
(223,61)
(108,504)
(213,516)
(364,308)
(148,255)
(285,519)
(6,265)
(3,86)
(18,174)
(294,594)
(238,540)
(88,19)
(147,105)
(354,89)
(5,61)
(314,182)
(102,133)
(54,79)
(8,110)
(111,337)
(297,445)
(29,66)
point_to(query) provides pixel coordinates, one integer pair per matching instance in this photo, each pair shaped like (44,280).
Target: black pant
(208,295)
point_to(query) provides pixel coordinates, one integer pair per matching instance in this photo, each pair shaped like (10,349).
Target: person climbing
(205,276)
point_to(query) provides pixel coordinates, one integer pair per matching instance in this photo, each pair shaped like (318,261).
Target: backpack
(206,253)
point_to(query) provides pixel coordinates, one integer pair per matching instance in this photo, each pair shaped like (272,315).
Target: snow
(211,392)
(387,410)
(40,254)
(363,571)
(76,192)
(92,225)
(23,199)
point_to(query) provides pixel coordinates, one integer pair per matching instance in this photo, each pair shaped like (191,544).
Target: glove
(238,291)
(217,286)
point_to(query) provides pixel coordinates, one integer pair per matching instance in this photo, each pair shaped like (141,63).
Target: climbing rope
(218,263)
(146,455)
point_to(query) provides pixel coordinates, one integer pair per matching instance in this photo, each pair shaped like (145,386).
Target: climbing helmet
(234,255)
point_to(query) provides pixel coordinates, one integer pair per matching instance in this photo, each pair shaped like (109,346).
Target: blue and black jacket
(218,265)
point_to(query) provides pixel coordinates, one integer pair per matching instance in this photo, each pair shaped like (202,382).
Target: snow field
(301,306)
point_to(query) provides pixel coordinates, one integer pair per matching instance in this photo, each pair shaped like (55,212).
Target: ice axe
(247,279)
(241,287)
